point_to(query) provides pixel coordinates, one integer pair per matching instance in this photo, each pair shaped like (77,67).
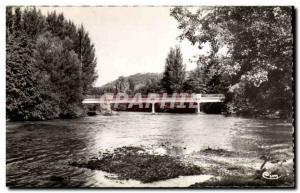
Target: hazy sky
(128,40)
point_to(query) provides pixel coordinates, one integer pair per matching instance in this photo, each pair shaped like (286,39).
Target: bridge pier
(153,108)
(198,108)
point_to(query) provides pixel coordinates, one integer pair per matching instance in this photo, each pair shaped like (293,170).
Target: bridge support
(198,108)
(153,108)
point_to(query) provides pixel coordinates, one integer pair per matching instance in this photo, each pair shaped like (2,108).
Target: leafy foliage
(50,65)
(250,56)
(23,102)
(174,74)
(195,82)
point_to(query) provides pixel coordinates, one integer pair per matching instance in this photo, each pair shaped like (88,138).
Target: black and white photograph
(150,96)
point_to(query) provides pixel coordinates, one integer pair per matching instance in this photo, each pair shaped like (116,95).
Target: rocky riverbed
(137,163)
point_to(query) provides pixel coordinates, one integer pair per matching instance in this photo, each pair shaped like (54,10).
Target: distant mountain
(138,82)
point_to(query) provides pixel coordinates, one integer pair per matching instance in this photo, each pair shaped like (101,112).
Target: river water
(37,151)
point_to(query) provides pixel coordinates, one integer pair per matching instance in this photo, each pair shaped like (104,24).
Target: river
(37,151)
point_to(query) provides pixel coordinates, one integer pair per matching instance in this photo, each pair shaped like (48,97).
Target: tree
(195,82)
(174,73)
(86,52)
(9,22)
(33,22)
(23,101)
(60,64)
(258,43)
(121,84)
(46,78)
(81,44)
(152,86)
(24,98)
(17,22)
(131,85)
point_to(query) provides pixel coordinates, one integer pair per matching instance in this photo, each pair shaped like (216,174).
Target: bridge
(155,98)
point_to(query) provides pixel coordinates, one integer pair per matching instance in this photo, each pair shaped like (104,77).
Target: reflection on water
(38,150)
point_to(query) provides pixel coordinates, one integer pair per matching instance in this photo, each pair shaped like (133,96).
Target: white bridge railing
(155,98)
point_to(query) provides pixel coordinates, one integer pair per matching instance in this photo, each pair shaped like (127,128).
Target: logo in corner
(270,176)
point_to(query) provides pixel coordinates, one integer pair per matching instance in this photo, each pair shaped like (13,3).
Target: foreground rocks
(149,166)
(276,170)
(135,163)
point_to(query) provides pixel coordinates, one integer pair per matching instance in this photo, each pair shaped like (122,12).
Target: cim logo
(270,176)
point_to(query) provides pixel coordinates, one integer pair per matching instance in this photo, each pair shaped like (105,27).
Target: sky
(129,40)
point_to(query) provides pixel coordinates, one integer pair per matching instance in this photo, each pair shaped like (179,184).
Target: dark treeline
(50,65)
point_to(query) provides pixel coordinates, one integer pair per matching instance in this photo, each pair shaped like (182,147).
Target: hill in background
(140,82)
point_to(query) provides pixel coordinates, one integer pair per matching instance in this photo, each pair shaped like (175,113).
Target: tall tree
(17,22)
(33,22)
(86,52)
(46,78)
(259,44)
(9,22)
(60,63)
(174,73)
(23,100)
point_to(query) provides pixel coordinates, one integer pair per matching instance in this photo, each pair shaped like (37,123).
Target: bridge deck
(195,99)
